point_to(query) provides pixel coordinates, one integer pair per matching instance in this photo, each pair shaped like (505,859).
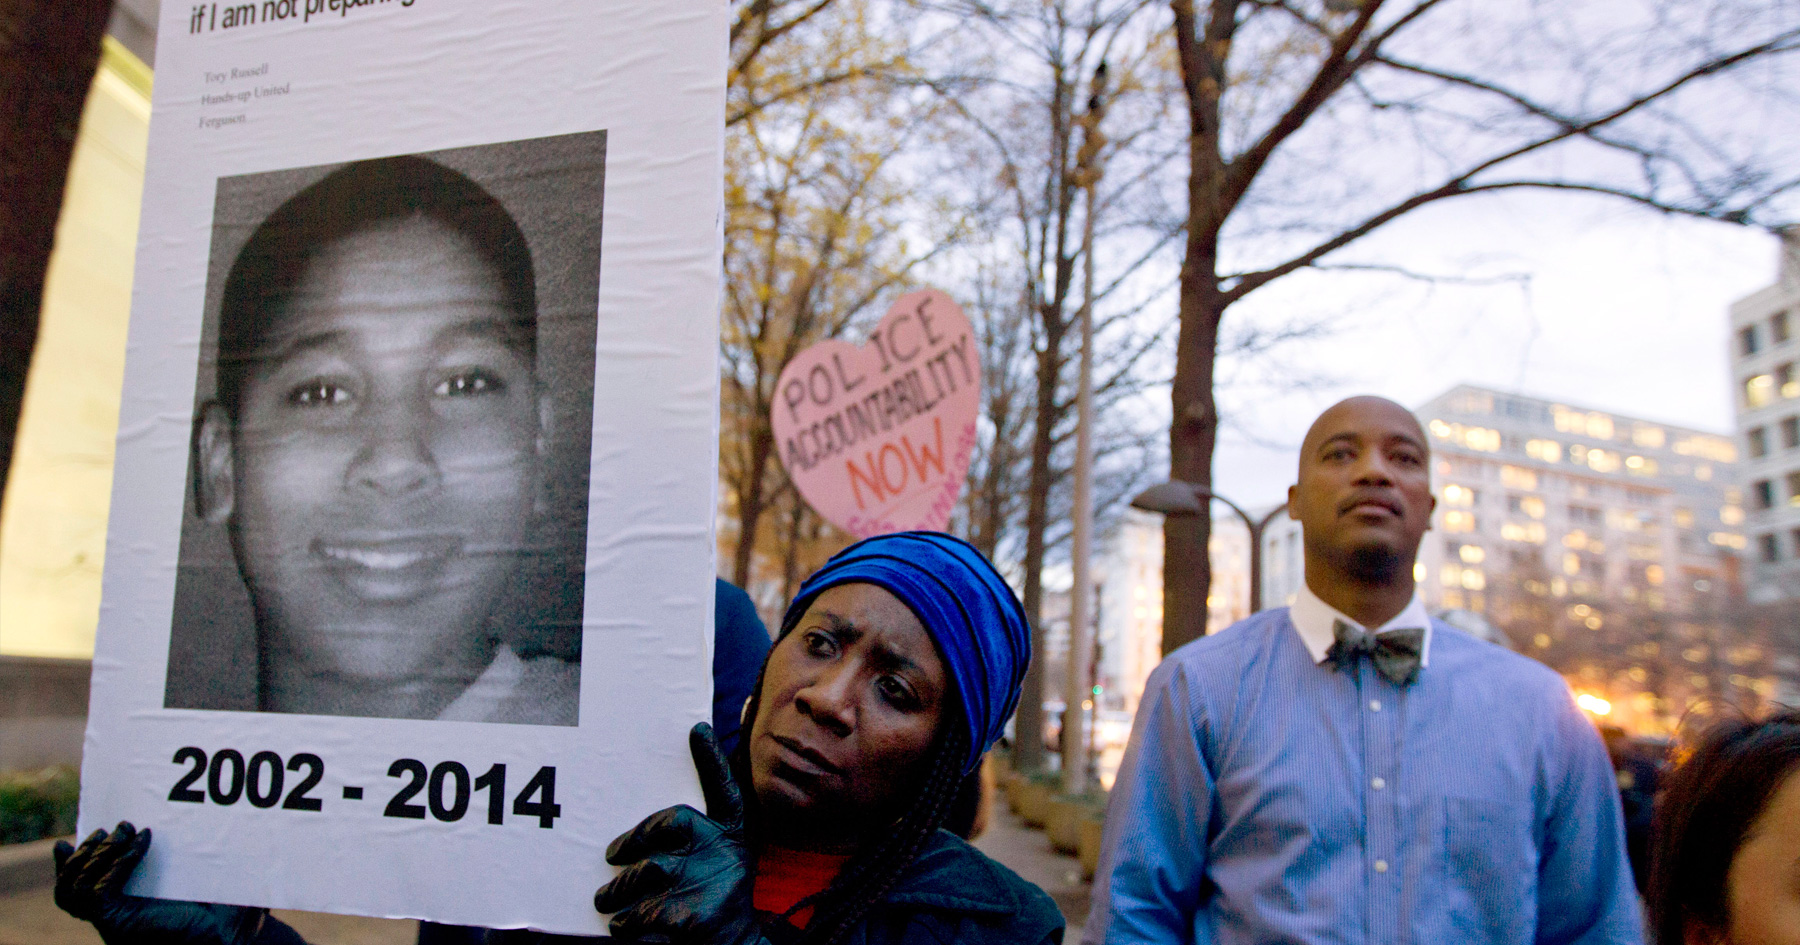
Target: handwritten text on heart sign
(878,437)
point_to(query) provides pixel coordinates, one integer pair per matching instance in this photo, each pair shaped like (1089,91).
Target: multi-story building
(1765,348)
(1130,624)
(1607,546)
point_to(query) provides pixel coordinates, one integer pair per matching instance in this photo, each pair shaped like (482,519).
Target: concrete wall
(43,711)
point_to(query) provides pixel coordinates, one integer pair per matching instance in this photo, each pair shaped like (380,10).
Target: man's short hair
(347,201)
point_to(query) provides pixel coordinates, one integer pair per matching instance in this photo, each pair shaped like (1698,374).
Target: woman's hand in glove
(90,884)
(687,877)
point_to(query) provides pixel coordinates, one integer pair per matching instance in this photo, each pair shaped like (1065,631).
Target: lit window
(1731,515)
(1716,448)
(1640,465)
(1684,518)
(1481,438)
(1603,461)
(1459,521)
(1654,574)
(1451,575)
(1527,532)
(1459,495)
(1472,554)
(1473,579)
(1544,451)
(1515,477)
(1727,540)
(1759,390)
(1648,436)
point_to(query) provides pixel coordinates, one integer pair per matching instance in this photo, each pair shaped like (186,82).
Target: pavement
(29,916)
(1028,853)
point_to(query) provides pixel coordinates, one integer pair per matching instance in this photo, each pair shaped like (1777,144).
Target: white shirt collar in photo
(481,702)
(1313,618)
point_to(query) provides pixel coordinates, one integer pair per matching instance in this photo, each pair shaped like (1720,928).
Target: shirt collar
(481,701)
(1312,619)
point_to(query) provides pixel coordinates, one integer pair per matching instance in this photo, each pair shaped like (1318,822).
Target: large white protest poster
(409,589)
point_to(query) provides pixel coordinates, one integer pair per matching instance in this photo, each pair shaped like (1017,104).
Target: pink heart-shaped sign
(878,437)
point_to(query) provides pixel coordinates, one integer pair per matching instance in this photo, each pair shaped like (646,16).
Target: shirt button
(1378,784)
(1374,705)
(1380,866)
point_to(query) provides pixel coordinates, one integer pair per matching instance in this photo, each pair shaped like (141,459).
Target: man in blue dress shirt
(1299,778)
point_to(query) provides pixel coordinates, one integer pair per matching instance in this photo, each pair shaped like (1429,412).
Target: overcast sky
(1623,310)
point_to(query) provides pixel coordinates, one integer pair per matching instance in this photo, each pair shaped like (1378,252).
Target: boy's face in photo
(382,473)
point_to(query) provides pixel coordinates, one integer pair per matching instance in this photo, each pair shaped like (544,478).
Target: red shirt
(784,877)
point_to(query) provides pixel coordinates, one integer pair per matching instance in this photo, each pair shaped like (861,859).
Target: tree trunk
(752,501)
(1187,567)
(49,50)
(1194,427)
(1028,726)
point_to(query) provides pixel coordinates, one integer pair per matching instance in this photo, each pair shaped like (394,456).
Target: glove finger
(648,922)
(95,858)
(650,877)
(723,802)
(75,878)
(60,853)
(667,830)
(113,883)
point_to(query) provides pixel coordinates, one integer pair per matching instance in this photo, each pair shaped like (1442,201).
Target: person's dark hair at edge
(1706,813)
(345,202)
(876,867)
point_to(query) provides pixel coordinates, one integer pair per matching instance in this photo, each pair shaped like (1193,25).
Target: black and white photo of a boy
(375,449)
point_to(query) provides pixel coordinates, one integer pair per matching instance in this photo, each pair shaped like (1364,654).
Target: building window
(1758,440)
(1790,433)
(1770,546)
(1525,505)
(1747,345)
(1784,381)
(1763,494)
(1793,484)
(1586,515)
(1759,390)
(1778,328)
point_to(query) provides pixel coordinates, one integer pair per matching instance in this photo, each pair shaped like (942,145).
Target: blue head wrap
(970,612)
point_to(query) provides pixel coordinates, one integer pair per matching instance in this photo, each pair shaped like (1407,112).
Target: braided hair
(875,867)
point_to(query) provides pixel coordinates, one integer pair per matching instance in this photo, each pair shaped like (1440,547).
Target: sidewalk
(1027,852)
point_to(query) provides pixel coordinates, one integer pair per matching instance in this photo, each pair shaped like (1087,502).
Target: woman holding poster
(896,668)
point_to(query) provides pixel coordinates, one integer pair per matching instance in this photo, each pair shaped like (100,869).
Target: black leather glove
(687,877)
(90,883)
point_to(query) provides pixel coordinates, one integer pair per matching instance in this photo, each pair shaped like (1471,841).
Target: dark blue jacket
(952,893)
(955,893)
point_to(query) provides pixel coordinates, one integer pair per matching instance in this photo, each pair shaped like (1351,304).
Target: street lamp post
(1183,498)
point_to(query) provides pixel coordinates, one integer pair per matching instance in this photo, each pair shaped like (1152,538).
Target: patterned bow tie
(1395,653)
